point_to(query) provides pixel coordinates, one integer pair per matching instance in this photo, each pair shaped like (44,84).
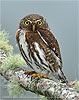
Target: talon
(29,72)
(34,75)
(40,75)
(45,76)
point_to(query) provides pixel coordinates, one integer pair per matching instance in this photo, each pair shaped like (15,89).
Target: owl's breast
(32,37)
(32,51)
(37,53)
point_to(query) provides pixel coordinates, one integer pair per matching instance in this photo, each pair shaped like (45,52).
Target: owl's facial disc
(33,23)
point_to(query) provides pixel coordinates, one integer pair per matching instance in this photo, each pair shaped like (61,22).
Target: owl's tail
(62,77)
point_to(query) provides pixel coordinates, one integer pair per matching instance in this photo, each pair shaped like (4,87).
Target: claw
(40,75)
(29,72)
(36,75)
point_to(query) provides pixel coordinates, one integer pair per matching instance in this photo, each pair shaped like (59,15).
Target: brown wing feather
(51,41)
(21,49)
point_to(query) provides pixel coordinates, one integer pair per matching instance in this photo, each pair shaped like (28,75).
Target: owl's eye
(39,22)
(27,22)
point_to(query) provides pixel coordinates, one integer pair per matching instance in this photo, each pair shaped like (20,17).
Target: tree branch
(42,86)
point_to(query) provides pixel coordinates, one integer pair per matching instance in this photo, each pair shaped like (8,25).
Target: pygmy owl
(39,47)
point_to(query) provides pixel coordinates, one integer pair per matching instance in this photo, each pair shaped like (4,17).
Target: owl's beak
(33,27)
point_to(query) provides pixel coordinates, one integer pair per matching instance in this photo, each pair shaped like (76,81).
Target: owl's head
(33,22)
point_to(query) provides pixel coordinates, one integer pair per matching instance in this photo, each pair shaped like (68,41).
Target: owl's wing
(51,41)
(21,48)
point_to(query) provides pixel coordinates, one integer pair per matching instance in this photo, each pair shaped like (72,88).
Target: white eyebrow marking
(29,21)
(38,20)
(34,19)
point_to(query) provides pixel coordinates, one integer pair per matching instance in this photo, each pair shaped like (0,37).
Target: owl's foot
(30,72)
(39,75)
(36,75)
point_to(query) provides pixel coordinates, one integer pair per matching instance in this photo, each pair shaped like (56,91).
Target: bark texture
(42,86)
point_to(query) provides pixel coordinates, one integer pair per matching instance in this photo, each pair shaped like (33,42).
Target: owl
(39,47)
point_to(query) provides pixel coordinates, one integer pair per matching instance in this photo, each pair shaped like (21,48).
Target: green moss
(13,62)
(8,49)
(4,36)
(76,86)
(43,98)
(4,46)
(14,88)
